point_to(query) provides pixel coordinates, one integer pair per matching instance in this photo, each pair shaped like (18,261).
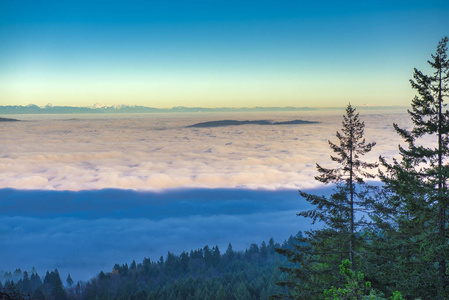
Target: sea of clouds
(157,151)
(84,232)
(83,192)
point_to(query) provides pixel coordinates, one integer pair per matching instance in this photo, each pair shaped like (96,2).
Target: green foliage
(413,217)
(338,211)
(406,245)
(203,274)
(356,288)
(319,252)
(11,291)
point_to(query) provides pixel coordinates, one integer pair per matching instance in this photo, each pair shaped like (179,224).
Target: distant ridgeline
(255,122)
(103,109)
(34,109)
(8,120)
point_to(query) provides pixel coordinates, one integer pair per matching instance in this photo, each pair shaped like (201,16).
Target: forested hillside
(206,273)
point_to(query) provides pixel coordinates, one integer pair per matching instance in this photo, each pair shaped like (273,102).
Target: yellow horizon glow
(201,90)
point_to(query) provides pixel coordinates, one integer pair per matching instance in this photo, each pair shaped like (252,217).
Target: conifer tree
(338,212)
(69,280)
(415,215)
(321,251)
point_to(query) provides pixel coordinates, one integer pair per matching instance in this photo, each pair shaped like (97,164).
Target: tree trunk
(441,198)
(351,194)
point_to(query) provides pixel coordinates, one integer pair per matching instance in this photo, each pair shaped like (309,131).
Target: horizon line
(98,106)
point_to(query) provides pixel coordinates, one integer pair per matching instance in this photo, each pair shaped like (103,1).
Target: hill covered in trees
(205,273)
(222,123)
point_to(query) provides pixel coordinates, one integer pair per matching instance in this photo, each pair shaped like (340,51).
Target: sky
(215,53)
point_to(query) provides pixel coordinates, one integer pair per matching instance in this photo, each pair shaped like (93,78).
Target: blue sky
(215,53)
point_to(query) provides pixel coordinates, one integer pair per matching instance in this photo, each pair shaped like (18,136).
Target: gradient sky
(215,53)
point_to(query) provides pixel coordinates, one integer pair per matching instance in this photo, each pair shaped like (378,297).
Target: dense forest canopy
(205,273)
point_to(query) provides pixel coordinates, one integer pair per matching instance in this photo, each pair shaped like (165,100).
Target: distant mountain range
(99,109)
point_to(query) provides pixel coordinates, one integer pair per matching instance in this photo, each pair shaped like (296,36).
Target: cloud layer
(85,232)
(156,151)
(95,190)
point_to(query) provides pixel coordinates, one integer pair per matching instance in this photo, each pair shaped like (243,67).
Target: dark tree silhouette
(320,252)
(69,280)
(418,183)
(338,212)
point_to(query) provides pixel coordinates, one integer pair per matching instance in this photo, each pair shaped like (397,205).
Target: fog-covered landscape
(132,186)
(229,150)
(157,151)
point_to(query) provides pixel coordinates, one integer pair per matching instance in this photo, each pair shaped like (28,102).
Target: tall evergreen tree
(69,280)
(418,206)
(321,251)
(350,170)
(53,285)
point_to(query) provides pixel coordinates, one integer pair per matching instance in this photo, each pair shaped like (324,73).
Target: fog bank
(157,151)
